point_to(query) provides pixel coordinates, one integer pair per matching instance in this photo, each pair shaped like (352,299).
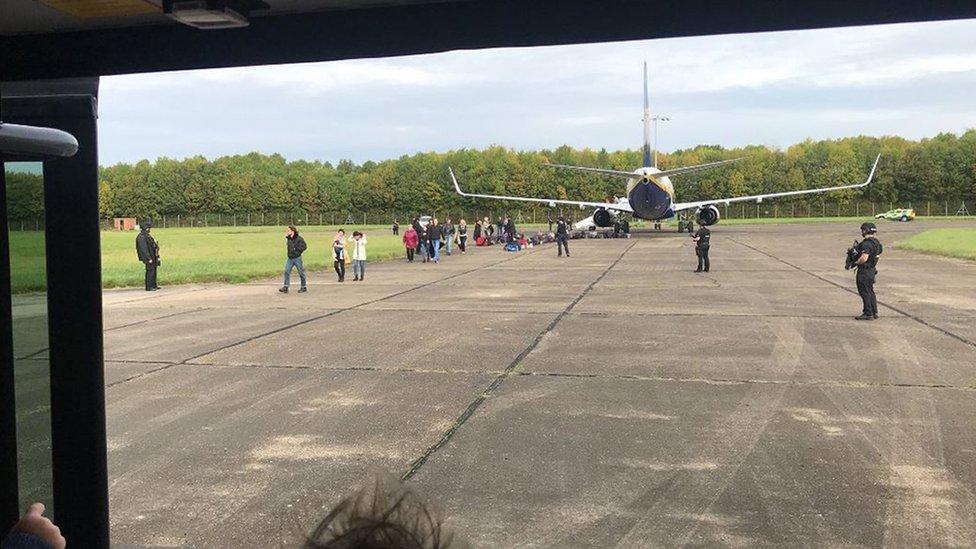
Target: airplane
(650,194)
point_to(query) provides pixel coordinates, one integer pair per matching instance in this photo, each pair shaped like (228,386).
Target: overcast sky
(771,88)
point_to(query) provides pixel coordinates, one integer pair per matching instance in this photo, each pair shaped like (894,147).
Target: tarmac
(613,398)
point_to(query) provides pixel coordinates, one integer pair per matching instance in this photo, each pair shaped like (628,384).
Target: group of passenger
(344,250)
(503,231)
(426,239)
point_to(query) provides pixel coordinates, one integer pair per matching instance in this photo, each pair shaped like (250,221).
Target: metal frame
(9,491)
(78,438)
(434,27)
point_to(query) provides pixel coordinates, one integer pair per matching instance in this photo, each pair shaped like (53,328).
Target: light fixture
(212,14)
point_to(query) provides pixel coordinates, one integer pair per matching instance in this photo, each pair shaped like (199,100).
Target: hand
(35,523)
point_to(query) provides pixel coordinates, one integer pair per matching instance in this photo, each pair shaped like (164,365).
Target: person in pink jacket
(410,241)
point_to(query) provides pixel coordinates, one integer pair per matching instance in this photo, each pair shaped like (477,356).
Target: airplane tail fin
(647,123)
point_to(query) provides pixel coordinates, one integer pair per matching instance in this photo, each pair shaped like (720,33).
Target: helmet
(868,228)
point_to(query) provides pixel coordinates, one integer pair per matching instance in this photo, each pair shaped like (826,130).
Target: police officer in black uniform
(148,252)
(562,237)
(867,262)
(702,238)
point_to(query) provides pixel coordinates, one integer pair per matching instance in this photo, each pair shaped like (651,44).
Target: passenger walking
(148,252)
(477,230)
(500,230)
(702,238)
(422,248)
(434,234)
(358,256)
(295,247)
(448,235)
(421,238)
(562,237)
(510,232)
(396,228)
(463,236)
(410,238)
(339,254)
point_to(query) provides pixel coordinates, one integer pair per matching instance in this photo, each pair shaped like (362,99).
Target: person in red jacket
(410,241)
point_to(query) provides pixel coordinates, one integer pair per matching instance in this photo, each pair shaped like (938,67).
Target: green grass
(960,243)
(224,254)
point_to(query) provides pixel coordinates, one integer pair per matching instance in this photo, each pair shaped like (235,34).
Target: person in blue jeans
(435,232)
(358,256)
(296,246)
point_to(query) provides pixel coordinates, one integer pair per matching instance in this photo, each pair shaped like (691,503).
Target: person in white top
(358,245)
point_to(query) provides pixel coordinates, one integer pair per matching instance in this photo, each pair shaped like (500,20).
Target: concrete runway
(611,399)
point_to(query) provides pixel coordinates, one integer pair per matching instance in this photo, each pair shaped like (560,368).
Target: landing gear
(685,226)
(681,225)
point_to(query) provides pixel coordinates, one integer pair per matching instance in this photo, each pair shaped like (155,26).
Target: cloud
(769,88)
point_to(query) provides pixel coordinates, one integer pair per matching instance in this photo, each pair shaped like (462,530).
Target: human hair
(385,515)
(343,231)
(293,229)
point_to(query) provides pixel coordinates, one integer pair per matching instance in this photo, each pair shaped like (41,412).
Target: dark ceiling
(37,41)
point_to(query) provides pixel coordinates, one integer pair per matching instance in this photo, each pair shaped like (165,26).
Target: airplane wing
(601,171)
(678,206)
(695,168)
(621,206)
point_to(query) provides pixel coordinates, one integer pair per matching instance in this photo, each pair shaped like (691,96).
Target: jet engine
(707,215)
(603,218)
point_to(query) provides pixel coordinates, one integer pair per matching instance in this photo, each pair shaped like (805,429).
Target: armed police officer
(702,238)
(562,237)
(869,251)
(148,252)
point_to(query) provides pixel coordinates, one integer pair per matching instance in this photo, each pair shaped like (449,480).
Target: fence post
(178,219)
(857,208)
(947,208)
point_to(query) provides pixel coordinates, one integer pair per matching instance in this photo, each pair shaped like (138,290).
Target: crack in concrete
(493,386)
(44,350)
(306,321)
(906,314)
(750,381)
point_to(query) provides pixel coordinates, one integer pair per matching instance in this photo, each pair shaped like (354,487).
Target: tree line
(933,169)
